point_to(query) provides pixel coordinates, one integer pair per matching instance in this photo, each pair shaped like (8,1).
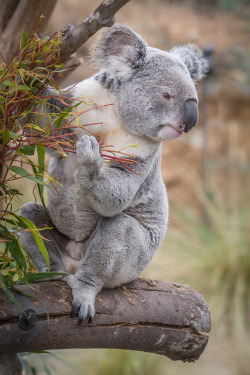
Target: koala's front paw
(87,150)
(83,299)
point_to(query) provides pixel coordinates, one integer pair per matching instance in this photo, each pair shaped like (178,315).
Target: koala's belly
(72,216)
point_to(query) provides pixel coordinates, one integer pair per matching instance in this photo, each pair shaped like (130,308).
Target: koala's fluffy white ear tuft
(192,56)
(119,50)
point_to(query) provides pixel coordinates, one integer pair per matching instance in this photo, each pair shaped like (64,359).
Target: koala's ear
(120,50)
(192,57)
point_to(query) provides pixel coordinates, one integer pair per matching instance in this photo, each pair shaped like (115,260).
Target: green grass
(217,261)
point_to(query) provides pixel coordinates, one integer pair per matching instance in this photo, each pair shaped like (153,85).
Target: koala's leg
(120,250)
(54,242)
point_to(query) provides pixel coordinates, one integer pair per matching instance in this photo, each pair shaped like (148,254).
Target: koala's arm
(107,189)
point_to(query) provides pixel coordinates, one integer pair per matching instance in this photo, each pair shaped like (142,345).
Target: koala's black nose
(190,114)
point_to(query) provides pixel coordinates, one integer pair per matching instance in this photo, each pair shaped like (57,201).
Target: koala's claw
(73,311)
(87,150)
(80,321)
(86,311)
(83,299)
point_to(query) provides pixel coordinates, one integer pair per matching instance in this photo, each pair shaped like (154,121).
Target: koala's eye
(166,95)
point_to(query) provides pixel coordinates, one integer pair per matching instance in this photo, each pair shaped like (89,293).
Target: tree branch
(151,316)
(75,36)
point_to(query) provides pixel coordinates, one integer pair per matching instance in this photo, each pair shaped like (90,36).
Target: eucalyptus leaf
(22,172)
(39,241)
(14,247)
(34,277)
(9,294)
(24,39)
(28,150)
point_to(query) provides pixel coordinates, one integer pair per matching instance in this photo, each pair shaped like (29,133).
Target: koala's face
(155,90)
(161,100)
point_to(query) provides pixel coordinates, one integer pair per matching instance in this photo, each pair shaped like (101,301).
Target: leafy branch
(27,87)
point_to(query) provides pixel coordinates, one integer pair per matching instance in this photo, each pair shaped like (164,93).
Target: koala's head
(154,89)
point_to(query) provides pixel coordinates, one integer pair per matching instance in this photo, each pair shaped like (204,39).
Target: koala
(106,222)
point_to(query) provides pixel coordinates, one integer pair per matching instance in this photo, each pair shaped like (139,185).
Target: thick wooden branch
(151,316)
(75,36)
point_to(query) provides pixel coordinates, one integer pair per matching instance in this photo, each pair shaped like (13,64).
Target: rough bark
(7,9)
(151,316)
(10,364)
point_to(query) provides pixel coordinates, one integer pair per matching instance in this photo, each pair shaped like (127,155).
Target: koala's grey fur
(107,222)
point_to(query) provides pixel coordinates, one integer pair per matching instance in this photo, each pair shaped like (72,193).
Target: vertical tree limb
(10,364)
(7,8)
(24,18)
(17,16)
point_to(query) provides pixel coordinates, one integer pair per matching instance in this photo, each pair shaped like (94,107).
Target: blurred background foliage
(207,176)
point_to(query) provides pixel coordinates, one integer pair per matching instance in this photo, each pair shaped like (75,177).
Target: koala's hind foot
(83,300)
(118,252)
(54,242)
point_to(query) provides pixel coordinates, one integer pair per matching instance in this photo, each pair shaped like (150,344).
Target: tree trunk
(18,16)
(10,364)
(151,316)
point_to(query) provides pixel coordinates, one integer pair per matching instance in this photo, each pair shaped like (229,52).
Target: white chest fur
(102,112)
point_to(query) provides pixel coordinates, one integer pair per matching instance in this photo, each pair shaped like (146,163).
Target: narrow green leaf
(14,247)
(4,232)
(24,88)
(63,116)
(2,110)
(41,156)
(13,135)
(39,186)
(40,191)
(24,40)
(33,277)
(12,90)
(23,294)
(28,150)
(41,167)
(59,121)
(5,136)
(9,83)
(15,222)
(22,172)
(9,294)
(37,238)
